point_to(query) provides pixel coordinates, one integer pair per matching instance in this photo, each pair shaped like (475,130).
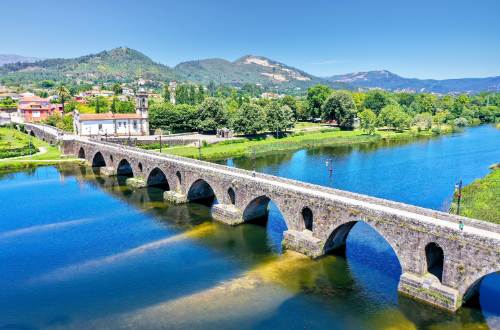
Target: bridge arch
(157,178)
(471,294)
(434,257)
(98,160)
(263,210)
(201,191)
(307,217)
(124,168)
(81,153)
(232,195)
(32,133)
(337,239)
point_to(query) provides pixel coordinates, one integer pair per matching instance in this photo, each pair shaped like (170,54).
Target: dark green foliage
(211,115)
(249,119)
(316,97)
(376,100)
(173,118)
(340,107)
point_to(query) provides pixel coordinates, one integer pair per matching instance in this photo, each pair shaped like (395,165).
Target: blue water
(79,251)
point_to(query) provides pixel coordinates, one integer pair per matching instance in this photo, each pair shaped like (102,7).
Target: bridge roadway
(440,263)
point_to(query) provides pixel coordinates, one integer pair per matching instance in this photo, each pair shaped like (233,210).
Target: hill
(12,58)
(119,64)
(127,65)
(247,69)
(387,80)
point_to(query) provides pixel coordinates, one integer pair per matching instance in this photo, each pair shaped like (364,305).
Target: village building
(32,108)
(115,124)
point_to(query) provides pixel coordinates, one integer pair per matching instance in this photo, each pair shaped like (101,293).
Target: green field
(481,199)
(42,152)
(249,147)
(15,144)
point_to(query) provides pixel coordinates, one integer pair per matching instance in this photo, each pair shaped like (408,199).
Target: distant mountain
(247,69)
(127,65)
(390,81)
(119,64)
(11,58)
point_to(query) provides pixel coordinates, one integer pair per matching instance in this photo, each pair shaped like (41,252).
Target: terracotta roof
(33,99)
(109,116)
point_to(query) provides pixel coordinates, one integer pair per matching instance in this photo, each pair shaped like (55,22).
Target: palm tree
(63,94)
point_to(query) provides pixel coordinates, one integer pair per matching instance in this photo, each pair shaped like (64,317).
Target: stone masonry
(417,235)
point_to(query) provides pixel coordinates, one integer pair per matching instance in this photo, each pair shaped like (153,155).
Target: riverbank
(481,199)
(245,147)
(46,154)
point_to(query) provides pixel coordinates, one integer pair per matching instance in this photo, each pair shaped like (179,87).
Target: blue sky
(423,39)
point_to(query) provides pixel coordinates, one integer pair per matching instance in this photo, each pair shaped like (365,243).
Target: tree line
(206,109)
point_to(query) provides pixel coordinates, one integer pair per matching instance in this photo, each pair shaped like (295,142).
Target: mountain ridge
(124,64)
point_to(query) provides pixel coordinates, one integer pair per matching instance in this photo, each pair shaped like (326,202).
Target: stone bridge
(440,263)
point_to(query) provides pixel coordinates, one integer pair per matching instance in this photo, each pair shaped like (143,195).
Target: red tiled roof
(108,116)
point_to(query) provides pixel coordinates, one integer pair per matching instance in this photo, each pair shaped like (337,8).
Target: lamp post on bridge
(458,192)
(329,165)
(160,142)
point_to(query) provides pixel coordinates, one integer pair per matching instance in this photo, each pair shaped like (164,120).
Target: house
(115,124)
(32,108)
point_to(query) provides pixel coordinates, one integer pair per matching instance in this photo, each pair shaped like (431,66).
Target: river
(80,251)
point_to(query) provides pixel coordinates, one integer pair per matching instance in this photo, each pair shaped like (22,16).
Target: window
(135,124)
(100,126)
(36,114)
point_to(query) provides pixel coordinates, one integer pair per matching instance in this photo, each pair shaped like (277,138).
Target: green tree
(124,107)
(394,117)
(166,93)
(200,94)
(376,100)
(368,121)
(316,96)
(291,102)
(117,88)
(423,121)
(211,115)
(424,103)
(249,119)
(99,103)
(211,87)
(441,117)
(340,107)
(279,117)
(47,83)
(63,94)
(460,104)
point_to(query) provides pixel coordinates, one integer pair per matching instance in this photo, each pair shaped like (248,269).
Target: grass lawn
(306,126)
(14,143)
(248,147)
(46,154)
(481,199)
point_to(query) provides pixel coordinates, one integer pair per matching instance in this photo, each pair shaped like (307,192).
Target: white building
(115,124)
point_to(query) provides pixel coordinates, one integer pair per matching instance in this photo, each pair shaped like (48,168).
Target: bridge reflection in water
(440,264)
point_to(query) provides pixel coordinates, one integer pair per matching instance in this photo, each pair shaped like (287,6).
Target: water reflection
(150,264)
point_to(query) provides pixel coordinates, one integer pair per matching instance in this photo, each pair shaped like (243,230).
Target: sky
(423,39)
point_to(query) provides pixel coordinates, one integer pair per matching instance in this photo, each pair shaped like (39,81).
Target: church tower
(141,108)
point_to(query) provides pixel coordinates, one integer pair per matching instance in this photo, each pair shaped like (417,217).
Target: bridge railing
(439,215)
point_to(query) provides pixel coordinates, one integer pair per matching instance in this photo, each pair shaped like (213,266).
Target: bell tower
(141,108)
(141,103)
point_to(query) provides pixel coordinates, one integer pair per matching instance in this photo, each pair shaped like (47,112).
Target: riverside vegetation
(381,114)
(481,198)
